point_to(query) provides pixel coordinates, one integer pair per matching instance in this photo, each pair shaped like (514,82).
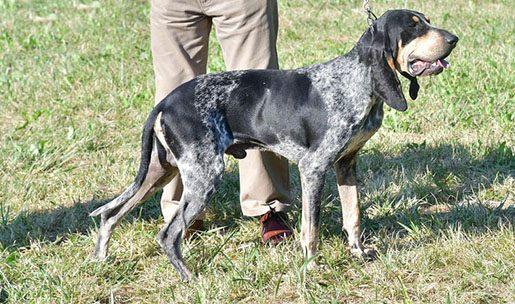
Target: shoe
(274,227)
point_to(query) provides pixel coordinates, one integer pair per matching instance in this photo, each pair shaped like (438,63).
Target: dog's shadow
(435,187)
(445,174)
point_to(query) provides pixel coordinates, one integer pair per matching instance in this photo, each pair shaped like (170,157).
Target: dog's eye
(415,20)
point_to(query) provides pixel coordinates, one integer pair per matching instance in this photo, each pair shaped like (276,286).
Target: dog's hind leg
(346,178)
(159,174)
(200,179)
(312,181)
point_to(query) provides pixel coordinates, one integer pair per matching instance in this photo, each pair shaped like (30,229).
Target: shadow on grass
(51,225)
(54,225)
(451,172)
(438,189)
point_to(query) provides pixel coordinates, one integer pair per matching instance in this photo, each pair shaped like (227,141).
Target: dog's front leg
(346,178)
(312,184)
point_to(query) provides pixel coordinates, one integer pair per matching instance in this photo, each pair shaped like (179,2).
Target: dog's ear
(378,53)
(385,83)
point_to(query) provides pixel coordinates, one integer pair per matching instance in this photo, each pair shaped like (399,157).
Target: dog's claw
(312,265)
(97,256)
(366,253)
(370,254)
(186,275)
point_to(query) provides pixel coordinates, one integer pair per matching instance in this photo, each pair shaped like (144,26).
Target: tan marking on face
(427,18)
(400,56)
(428,47)
(390,62)
(415,18)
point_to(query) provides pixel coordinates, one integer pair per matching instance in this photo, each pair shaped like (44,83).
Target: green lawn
(437,182)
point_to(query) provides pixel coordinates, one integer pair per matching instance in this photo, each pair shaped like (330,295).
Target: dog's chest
(363,130)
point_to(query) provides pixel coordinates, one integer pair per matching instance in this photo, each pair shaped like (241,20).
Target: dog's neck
(345,84)
(348,75)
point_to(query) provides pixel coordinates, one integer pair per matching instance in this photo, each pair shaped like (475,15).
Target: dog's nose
(451,39)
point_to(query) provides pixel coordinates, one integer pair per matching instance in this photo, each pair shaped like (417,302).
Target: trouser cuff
(258,208)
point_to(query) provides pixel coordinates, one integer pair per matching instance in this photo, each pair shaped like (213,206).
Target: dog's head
(404,41)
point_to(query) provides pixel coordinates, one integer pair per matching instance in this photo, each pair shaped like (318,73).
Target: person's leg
(179,41)
(264,183)
(247,31)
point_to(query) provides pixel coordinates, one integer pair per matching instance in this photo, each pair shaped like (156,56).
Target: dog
(317,116)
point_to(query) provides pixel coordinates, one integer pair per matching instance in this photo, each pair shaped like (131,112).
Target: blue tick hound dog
(317,116)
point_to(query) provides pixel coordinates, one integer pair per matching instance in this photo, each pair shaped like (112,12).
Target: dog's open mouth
(419,67)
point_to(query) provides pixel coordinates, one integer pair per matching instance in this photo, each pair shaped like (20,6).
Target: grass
(437,182)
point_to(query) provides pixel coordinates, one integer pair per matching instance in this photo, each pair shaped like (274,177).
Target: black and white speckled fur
(316,116)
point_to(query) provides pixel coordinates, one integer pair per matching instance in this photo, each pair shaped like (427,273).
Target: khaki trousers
(247,32)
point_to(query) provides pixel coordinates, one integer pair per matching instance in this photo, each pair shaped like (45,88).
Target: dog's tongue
(425,68)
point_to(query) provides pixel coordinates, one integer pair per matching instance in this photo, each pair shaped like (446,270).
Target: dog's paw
(98,254)
(186,275)
(366,253)
(312,266)
(98,258)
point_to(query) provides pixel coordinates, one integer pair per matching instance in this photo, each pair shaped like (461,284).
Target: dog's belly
(286,148)
(294,150)
(289,149)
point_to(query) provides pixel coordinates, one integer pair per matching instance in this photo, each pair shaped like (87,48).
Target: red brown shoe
(274,227)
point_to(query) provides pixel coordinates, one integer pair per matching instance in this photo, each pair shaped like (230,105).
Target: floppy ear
(379,53)
(385,83)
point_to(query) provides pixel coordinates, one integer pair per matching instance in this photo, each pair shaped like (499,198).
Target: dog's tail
(147,140)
